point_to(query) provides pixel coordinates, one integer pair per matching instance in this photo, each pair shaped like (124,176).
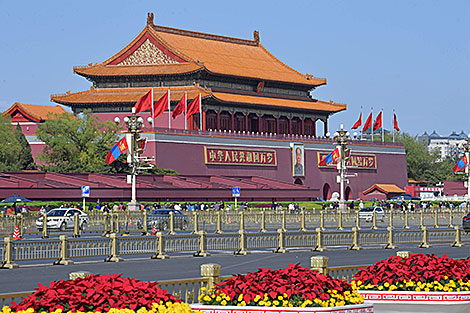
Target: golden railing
(218,221)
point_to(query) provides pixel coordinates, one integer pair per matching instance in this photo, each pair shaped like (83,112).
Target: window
(283,125)
(269,124)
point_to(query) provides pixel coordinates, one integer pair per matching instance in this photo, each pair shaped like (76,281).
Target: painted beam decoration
(356,160)
(229,156)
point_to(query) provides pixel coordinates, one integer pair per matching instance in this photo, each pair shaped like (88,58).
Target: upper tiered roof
(160,50)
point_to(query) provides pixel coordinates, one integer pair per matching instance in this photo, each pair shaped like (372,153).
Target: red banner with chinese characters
(358,161)
(228,156)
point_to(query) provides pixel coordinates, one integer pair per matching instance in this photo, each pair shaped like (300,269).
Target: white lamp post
(342,138)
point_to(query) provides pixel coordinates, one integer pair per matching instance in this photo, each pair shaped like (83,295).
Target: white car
(367,213)
(63,219)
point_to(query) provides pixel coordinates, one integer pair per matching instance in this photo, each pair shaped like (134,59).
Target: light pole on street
(342,136)
(134,125)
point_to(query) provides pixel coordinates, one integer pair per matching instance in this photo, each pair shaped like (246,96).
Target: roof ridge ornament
(256,36)
(150,17)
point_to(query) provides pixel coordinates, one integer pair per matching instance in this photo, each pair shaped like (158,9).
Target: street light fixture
(134,126)
(342,136)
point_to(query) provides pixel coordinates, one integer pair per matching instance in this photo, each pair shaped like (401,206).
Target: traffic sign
(85,191)
(235,191)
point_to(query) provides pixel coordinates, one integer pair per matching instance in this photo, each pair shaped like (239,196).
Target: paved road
(186,266)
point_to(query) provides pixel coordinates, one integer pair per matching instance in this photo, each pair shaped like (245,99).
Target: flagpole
(372,126)
(382,117)
(361,123)
(185,110)
(153,119)
(393,126)
(169,109)
(200,112)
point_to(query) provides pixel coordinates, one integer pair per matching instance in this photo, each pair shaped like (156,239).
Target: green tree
(78,143)
(25,157)
(11,148)
(423,164)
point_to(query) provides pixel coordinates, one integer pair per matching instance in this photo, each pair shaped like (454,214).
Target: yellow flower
(223,302)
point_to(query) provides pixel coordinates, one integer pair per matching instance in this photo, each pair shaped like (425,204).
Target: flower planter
(356,308)
(417,301)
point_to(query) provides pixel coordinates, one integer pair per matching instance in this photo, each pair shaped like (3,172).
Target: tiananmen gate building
(259,119)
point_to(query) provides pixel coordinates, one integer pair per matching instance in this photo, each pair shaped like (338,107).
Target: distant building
(29,116)
(446,146)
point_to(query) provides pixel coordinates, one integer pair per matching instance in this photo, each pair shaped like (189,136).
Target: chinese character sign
(228,156)
(358,161)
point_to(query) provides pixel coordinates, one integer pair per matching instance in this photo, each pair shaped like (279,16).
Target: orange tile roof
(36,112)
(316,105)
(133,70)
(128,95)
(385,188)
(192,50)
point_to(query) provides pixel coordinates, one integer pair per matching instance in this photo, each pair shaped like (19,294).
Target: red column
(325,125)
(246,122)
(260,123)
(218,120)
(277,124)
(290,125)
(314,128)
(302,126)
(232,126)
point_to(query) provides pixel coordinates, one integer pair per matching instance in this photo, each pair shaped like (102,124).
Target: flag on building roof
(358,123)
(144,103)
(395,122)
(378,122)
(460,164)
(368,123)
(180,107)
(162,104)
(330,158)
(117,150)
(194,106)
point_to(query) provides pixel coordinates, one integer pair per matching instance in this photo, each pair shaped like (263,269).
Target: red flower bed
(95,293)
(417,272)
(291,286)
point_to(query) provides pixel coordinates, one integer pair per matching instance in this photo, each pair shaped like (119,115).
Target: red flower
(95,293)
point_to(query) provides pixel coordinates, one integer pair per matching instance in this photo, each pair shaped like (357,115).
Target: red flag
(378,122)
(161,105)
(368,123)
(358,123)
(144,103)
(179,107)
(193,106)
(395,122)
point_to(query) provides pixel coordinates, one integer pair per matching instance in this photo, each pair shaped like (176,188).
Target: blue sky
(411,56)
